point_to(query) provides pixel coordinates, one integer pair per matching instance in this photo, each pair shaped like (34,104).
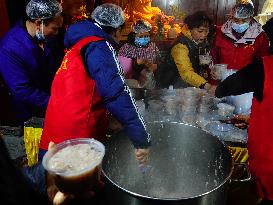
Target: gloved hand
(142,155)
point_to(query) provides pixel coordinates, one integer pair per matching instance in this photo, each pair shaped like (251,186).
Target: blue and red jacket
(106,85)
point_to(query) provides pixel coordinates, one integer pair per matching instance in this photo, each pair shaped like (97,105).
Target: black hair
(131,38)
(198,19)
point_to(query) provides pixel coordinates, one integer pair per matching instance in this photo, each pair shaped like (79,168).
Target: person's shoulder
(220,29)
(101,51)
(179,47)
(102,45)
(14,39)
(262,37)
(15,31)
(105,46)
(126,45)
(79,25)
(183,41)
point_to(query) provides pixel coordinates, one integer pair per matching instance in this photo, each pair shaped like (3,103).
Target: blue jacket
(103,67)
(27,71)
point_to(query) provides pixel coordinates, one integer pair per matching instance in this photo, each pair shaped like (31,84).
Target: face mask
(240,28)
(142,41)
(40,37)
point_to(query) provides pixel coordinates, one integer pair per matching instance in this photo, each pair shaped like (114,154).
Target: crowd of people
(77,92)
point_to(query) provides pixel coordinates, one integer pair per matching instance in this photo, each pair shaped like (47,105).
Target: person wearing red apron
(75,108)
(258,78)
(89,81)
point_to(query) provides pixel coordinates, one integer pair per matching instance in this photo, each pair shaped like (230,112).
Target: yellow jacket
(180,54)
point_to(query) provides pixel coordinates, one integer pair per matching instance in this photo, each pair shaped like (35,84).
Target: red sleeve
(261,46)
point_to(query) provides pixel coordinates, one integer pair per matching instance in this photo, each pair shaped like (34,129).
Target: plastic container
(225,110)
(242,103)
(76,176)
(227,72)
(220,127)
(219,70)
(156,106)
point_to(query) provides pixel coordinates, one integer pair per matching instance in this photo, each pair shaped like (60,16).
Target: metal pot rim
(226,180)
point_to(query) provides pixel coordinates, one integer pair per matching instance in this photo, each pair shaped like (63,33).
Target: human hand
(213,73)
(150,65)
(210,88)
(140,61)
(244,118)
(62,198)
(240,121)
(142,155)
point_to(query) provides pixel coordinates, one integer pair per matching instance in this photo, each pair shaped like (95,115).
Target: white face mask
(39,35)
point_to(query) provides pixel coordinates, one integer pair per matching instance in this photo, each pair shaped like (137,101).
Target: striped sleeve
(105,69)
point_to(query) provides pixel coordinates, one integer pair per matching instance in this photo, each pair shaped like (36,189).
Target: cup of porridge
(75,164)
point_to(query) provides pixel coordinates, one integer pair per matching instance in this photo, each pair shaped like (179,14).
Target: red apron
(260,140)
(75,108)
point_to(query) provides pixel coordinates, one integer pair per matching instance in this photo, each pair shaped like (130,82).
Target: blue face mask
(39,35)
(240,28)
(142,41)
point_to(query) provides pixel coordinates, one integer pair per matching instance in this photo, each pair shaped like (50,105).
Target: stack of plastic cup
(206,102)
(190,102)
(156,109)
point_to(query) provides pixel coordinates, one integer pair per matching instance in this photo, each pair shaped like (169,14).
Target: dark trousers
(266,202)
